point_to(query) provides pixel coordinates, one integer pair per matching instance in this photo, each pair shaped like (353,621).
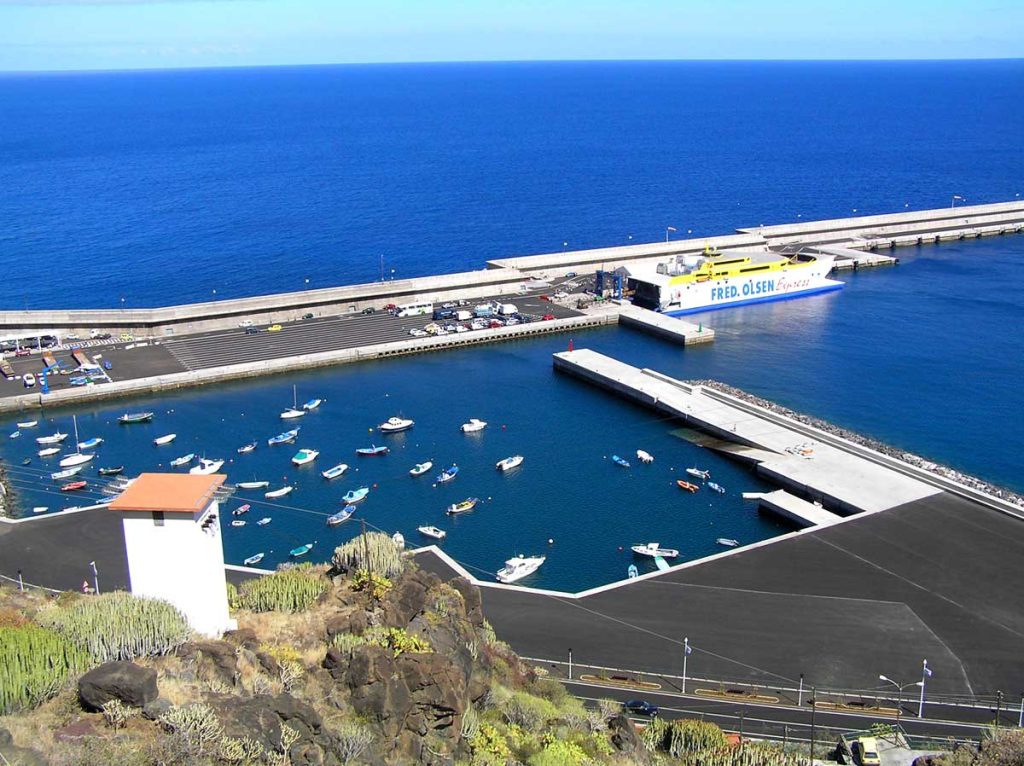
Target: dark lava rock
(378,694)
(76,731)
(126,681)
(474,604)
(408,598)
(243,637)
(262,717)
(156,709)
(218,658)
(624,736)
(349,621)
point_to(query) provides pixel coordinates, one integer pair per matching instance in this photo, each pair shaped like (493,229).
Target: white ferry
(690,283)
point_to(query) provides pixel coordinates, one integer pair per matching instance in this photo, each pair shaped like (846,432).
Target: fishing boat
(473,426)
(264,521)
(644,457)
(394,425)
(28,424)
(509,463)
(255,559)
(56,438)
(684,484)
(67,473)
(184,459)
(355,495)
(166,439)
(716,487)
(41,509)
(620,461)
(312,404)
(447,474)
(518,567)
(245,449)
(302,550)
(463,506)
(304,456)
(113,470)
(14,434)
(728,542)
(372,451)
(278,492)
(398,539)
(283,438)
(135,417)
(632,571)
(293,411)
(334,471)
(341,516)
(421,468)
(206,467)
(77,457)
(252,484)
(238,522)
(27,461)
(91,443)
(48,451)
(240,510)
(698,473)
(654,549)
(684,284)
(75,485)
(437,534)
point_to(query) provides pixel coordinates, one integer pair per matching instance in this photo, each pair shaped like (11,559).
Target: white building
(173,541)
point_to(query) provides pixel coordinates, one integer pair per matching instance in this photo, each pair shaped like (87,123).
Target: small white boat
(509,463)
(437,534)
(283,438)
(335,471)
(41,509)
(716,487)
(699,473)
(355,495)
(183,460)
(91,443)
(246,449)
(66,473)
(76,459)
(394,425)
(256,559)
(341,516)
(727,541)
(304,456)
(644,457)
(252,484)
(264,521)
(241,510)
(278,492)
(14,434)
(56,438)
(293,411)
(28,424)
(206,467)
(166,439)
(48,451)
(421,468)
(312,404)
(653,549)
(518,567)
(238,522)
(398,539)
(473,426)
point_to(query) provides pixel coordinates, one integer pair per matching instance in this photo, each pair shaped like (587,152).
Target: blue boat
(373,451)
(355,495)
(341,516)
(620,461)
(448,474)
(283,438)
(302,550)
(632,571)
(716,487)
(91,443)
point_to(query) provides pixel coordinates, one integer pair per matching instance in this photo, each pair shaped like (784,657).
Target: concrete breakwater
(865,441)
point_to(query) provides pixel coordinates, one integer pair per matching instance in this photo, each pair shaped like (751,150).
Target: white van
(508,309)
(28,380)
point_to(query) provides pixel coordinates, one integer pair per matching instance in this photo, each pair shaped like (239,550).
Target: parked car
(275,328)
(369,310)
(548,317)
(570,274)
(246,323)
(640,707)
(28,380)
(310,315)
(416,332)
(102,336)
(252,330)
(23,352)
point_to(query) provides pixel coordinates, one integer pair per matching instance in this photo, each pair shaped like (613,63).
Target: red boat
(71,487)
(687,485)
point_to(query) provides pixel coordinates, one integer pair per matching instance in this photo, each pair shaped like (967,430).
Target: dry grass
(303,630)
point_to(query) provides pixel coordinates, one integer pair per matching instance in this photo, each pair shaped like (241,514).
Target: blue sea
(143,189)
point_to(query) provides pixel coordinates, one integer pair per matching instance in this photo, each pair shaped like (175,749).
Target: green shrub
(346,642)
(489,747)
(288,590)
(376,584)
(34,663)
(559,753)
(120,626)
(398,640)
(692,736)
(530,712)
(375,551)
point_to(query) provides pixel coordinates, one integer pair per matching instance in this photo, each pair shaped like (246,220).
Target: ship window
(158,518)
(755,268)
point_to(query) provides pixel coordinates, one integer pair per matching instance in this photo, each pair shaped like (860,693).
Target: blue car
(641,707)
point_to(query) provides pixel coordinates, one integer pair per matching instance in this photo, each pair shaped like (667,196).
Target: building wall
(181,562)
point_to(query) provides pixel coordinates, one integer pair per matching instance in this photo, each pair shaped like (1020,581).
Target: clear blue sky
(129,34)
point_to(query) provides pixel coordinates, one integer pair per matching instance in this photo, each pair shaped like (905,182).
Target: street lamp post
(686,653)
(925,674)
(95,578)
(899,694)
(667,230)
(952,202)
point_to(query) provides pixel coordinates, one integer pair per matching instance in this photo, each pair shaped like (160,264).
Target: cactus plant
(289,590)
(120,626)
(34,663)
(375,551)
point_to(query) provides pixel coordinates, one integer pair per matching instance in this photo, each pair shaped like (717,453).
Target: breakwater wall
(260,369)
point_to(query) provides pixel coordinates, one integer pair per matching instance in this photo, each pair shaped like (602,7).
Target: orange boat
(73,486)
(683,484)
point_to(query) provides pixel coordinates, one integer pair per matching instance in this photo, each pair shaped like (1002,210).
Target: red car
(22,352)
(548,317)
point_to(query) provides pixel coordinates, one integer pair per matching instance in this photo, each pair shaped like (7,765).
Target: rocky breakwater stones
(131,684)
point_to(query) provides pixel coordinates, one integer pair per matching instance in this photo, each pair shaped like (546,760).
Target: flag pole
(925,672)
(686,653)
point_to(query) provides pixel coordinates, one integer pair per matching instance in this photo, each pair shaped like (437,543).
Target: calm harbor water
(126,181)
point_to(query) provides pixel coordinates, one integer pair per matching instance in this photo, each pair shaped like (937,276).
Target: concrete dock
(800,512)
(668,328)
